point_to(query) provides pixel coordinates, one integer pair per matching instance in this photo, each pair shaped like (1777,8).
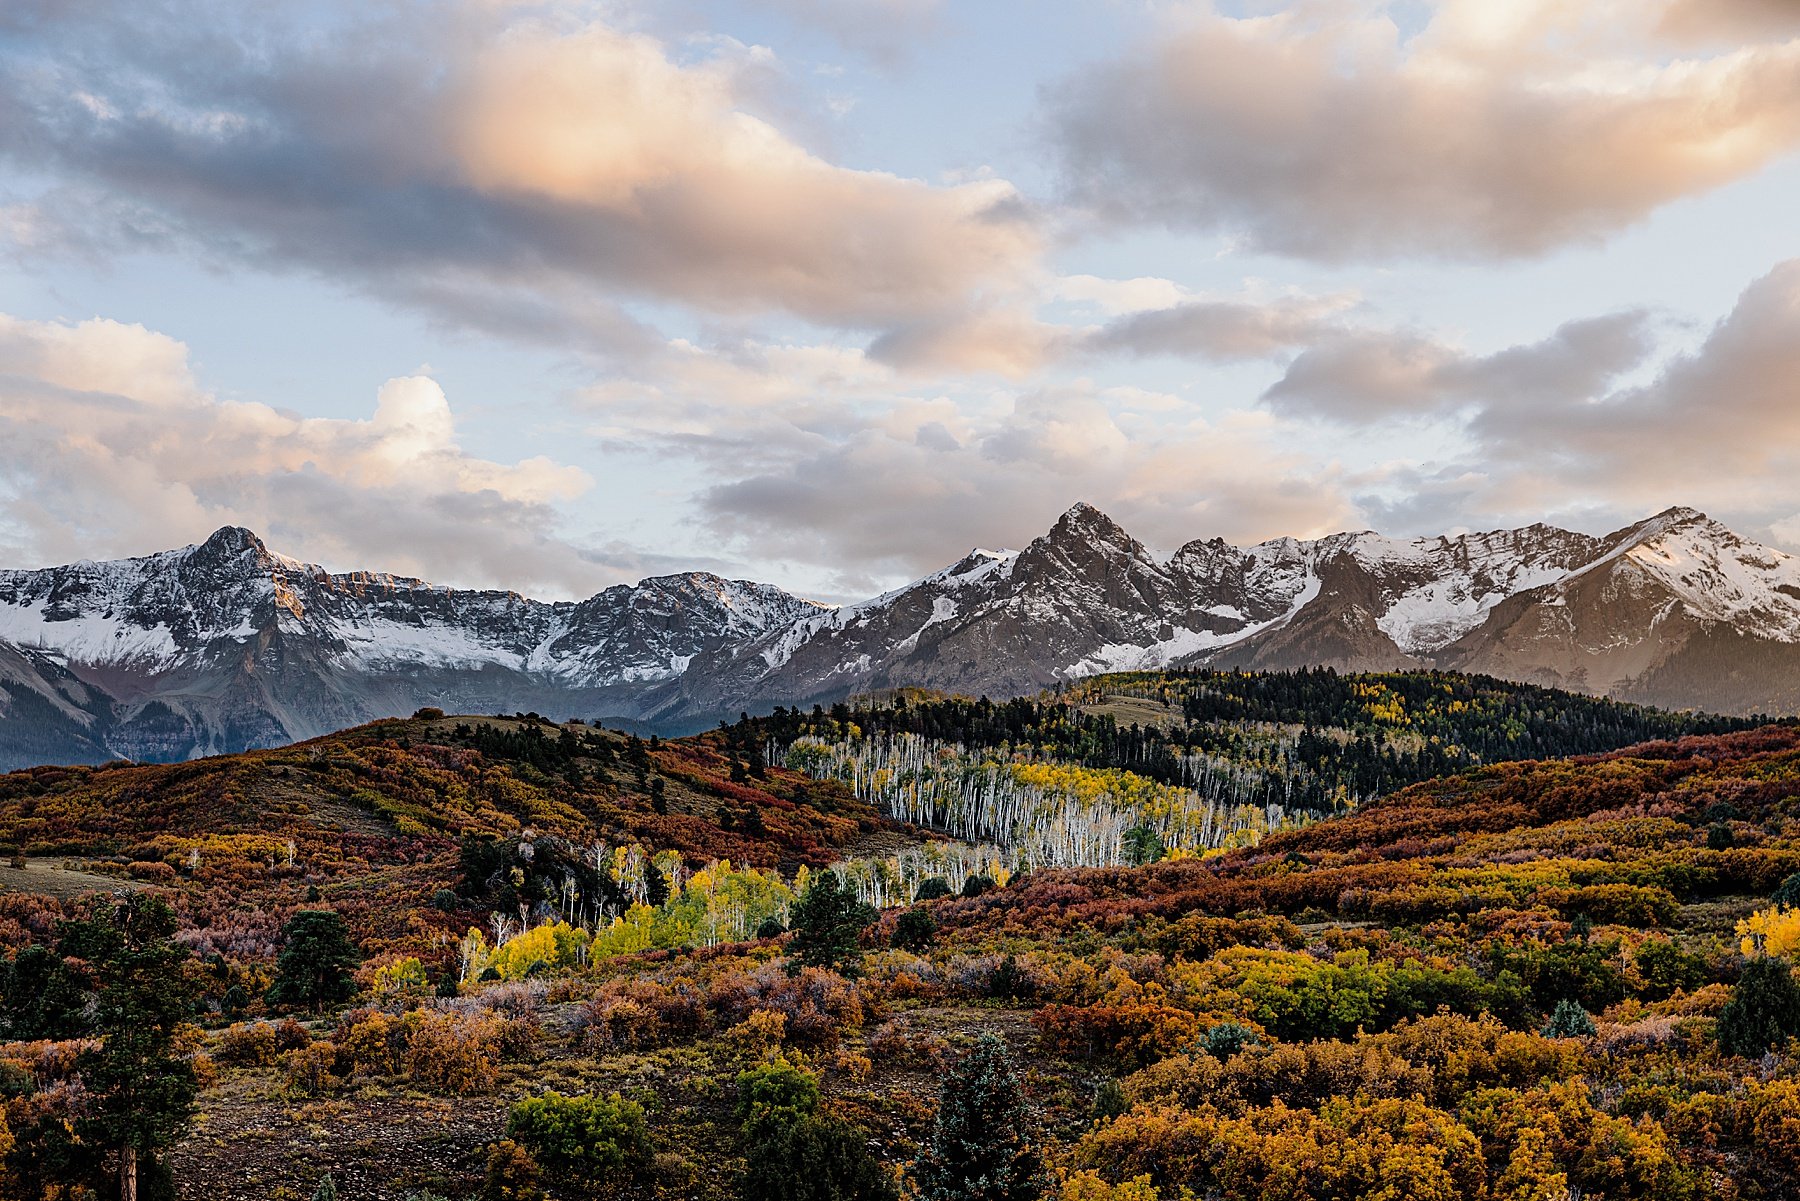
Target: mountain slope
(1665,609)
(226,645)
(1632,614)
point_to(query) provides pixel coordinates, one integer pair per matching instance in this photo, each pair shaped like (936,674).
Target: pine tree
(141,1089)
(980,1148)
(826,923)
(1764,1010)
(40,997)
(327,1190)
(316,961)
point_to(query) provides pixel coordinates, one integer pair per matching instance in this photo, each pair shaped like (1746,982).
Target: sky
(554,296)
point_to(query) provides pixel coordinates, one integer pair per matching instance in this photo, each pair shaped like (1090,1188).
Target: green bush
(794,1153)
(585,1142)
(1227,1039)
(776,1090)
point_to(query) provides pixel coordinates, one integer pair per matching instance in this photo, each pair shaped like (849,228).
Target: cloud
(1223,330)
(982,475)
(1582,426)
(1360,375)
(108,446)
(1727,414)
(1726,20)
(1004,341)
(1494,130)
(479,160)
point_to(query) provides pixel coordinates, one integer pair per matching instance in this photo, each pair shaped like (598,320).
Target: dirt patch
(60,878)
(377,1148)
(329,812)
(1127,710)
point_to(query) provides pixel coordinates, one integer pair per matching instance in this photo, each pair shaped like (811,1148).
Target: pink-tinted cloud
(1495,130)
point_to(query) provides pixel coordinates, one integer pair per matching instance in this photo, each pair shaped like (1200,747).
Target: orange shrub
(248,1045)
(372,1042)
(310,1071)
(453,1052)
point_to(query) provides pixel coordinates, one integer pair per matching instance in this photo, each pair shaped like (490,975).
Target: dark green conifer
(316,961)
(826,923)
(1764,1010)
(981,1145)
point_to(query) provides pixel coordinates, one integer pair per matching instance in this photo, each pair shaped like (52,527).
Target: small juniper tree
(327,1190)
(316,961)
(1569,1020)
(826,923)
(1764,1010)
(914,930)
(980,1147)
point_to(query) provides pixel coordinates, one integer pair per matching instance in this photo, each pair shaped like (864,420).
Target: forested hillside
(460,957)
(1199,760)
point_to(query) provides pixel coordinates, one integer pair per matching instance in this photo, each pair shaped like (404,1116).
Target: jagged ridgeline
(1118,768)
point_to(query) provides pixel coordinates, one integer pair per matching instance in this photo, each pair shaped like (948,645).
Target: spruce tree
(1569,1020)
(1764,1010)
(980,1147)
(826,923)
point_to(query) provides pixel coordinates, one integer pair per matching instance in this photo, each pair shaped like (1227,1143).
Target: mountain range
(226,645)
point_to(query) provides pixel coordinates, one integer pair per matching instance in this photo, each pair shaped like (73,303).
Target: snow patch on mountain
(1720,577)
(96,638)
(1183,644)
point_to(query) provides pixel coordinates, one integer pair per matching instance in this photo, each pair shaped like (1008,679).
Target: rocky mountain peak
(1084,523)
(232,540)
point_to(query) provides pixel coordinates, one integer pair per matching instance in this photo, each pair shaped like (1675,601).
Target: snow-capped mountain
(1538,603)
(226,645)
